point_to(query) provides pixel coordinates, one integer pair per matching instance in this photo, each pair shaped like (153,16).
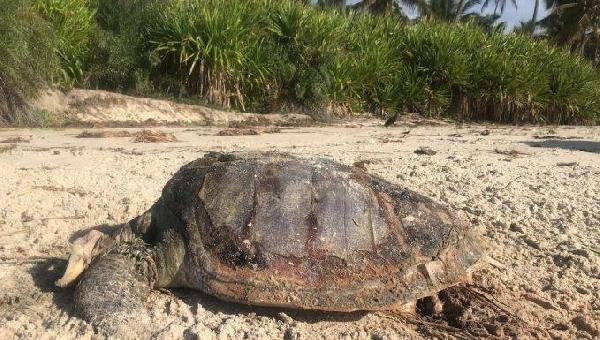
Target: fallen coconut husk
(5,148)
(238,132)
(149,136)
(247,132)
(510,153)
(104,134)
(567,163)
(390,140)
(425,150)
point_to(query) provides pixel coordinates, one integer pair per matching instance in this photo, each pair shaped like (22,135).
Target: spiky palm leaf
(499,5)
(575,24)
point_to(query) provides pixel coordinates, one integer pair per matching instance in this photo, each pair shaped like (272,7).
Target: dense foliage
(264,55)
(26,58)
(575,24)
(73,23)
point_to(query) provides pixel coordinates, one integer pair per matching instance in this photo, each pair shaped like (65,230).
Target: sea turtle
(272,229)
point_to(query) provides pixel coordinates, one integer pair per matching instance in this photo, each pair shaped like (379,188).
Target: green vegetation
(575,24)
(265,56)
(26,58)
(73,23)
(119,52)
(212,48)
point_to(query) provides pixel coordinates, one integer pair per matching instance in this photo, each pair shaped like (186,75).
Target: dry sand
(102,108)
(535,198)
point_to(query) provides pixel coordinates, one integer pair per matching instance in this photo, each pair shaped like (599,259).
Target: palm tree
(575,24)
(332,3)
(530,26)
(440,10)
(499,5)
(533,22)
(445,10)
(379,6)
(450,10)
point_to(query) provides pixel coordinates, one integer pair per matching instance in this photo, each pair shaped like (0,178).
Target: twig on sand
(29,259)
(369,152)
(594,250)
(456,332)
(72,191)
(487,299)
(419,322)
(76,217)
(17,139)
(103,134)
(493,302)
(511,181)
(20,231)
(567,164)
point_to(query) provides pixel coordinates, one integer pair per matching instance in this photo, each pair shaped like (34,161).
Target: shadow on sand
(568,144)
(103,228)
(193,298)
(46,272)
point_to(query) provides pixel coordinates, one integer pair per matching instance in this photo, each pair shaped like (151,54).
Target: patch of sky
(513,16)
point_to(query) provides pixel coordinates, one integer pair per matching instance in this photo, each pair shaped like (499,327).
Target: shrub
(266,55)
(73,23)
(284,54)
(308,44)
(516,79)
(119,53)
(369,75)
(26,59)
(213,47)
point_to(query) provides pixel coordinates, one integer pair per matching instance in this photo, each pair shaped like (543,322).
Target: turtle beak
(82,253)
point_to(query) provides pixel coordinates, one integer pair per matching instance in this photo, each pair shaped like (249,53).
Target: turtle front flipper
(96,243)
(153,226)
(82,252)
(111,295)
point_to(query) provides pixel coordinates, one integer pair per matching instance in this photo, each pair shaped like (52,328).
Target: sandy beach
(533,191)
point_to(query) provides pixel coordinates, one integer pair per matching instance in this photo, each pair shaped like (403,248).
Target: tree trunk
(597,54)
(535,16)
(459,10)
(363,5)
(584,42)
(374,6)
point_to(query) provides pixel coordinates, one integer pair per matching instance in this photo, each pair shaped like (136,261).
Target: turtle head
(83,252)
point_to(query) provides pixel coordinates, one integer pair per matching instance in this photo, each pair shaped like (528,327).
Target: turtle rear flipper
(111,296)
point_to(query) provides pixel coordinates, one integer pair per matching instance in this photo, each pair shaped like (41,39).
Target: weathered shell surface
(276,230)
